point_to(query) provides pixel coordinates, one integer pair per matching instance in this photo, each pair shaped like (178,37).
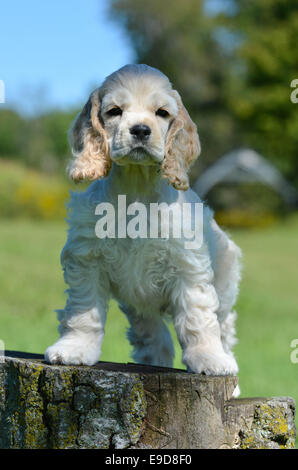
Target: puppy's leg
(227,271)
(228,332)
(226,281)
(198,331)
(83,318)
(150,338)
(228,339)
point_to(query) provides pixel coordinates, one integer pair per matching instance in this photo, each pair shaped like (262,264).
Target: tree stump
(116,406)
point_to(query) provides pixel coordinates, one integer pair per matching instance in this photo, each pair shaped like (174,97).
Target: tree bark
(115,406)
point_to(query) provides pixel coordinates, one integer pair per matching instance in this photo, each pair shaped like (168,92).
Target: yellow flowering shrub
(28,193)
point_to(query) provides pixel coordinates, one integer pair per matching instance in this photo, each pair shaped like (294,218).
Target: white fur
(152,279)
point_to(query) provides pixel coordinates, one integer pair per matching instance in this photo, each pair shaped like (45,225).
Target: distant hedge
(39,142)
(31,194)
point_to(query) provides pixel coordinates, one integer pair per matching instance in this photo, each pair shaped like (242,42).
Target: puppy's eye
(162,113)
(116,111)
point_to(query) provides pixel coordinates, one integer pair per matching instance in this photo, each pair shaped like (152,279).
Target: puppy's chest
(141,271)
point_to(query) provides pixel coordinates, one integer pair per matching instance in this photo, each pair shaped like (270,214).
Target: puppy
(135,139)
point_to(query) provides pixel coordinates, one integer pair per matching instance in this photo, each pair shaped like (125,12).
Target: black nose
(140,131)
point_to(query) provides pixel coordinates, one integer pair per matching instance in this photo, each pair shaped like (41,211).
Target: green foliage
(259,93)
(13,131)
(27,193)
(40,141)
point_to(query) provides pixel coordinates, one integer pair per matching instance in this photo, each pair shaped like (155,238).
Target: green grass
(268,310)
(31,288)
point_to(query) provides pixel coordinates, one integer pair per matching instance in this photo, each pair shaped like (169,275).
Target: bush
(31,194)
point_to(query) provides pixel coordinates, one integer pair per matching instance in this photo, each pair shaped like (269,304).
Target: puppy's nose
(140,131)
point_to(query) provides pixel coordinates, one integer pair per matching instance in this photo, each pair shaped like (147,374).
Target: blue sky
(52,53)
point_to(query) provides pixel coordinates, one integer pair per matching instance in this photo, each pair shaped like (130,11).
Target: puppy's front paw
(73,351)
(236,392)
(201,361)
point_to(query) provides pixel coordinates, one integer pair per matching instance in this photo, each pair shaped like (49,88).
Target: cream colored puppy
(135,138)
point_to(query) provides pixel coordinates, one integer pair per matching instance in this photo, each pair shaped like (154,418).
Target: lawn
(31,288)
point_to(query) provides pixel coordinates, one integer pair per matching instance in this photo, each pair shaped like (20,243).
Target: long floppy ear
(182,148)
(89,144)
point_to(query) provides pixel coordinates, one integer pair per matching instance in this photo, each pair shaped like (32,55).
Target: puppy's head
(134,118)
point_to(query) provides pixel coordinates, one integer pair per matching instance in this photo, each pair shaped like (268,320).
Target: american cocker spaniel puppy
(135,139)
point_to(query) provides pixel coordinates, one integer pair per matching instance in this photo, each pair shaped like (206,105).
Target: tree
(259,93)
(13,131)
(39,141)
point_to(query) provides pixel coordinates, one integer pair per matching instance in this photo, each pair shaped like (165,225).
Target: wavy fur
(153,280)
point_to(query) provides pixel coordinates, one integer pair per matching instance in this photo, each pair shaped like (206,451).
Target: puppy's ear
(182,148)
(89,145)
